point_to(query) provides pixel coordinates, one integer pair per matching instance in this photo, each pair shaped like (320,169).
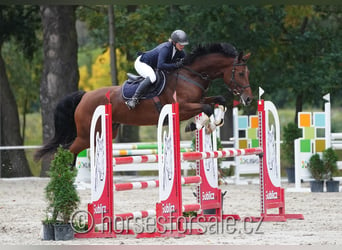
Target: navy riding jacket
(160,57)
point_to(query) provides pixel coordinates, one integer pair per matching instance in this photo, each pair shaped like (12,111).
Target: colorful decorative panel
(243,144)
(252,133)
(304,119)
(248,131)
(319,120)
(243,122)
(320,145)
(254,121)
(255,143)
(305,146)
(313,129)
(320,133)
(309,133)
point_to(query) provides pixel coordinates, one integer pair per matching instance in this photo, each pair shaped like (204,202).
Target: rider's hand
(179,64)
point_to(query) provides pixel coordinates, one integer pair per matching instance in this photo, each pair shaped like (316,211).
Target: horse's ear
(240,56)
(246,57)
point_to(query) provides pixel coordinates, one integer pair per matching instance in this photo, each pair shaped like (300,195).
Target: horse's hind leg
(78,145)
(115,129)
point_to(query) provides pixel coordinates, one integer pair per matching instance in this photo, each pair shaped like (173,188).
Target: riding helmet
(179,36)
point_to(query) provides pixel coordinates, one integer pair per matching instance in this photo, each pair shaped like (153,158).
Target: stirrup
(131,103)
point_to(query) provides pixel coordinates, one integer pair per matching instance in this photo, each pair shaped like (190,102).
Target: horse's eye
(241,74)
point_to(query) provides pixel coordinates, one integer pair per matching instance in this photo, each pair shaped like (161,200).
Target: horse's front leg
(189,110)
(213,114)
(220,100)
(220,108)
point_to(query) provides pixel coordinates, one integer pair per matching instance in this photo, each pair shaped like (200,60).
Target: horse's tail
(65,127)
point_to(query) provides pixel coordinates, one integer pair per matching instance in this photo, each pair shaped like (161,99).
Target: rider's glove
(179,64)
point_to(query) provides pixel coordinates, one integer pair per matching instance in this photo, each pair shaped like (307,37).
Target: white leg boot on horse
(219,112)
(203,121)
(215,120)
(210,124)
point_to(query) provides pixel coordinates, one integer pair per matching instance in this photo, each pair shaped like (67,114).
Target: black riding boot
(131,103)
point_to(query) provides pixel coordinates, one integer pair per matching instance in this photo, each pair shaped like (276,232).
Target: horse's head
(219,60)
(236,78)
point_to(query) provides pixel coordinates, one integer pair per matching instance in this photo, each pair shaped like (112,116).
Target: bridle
(237,89)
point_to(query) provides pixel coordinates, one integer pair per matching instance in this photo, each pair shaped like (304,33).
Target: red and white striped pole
(152,184)
(192,156)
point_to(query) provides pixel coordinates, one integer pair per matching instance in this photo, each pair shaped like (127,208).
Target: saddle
(131,84)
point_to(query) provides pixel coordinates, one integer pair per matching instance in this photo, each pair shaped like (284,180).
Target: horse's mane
(223,48)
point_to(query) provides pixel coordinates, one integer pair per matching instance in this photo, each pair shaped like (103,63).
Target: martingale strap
(157,103)
(190,81)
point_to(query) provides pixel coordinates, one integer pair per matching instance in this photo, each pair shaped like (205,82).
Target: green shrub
(316,167)
(291,132)
(60,192)
(330,162)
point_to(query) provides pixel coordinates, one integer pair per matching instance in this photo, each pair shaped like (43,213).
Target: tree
(111,25)
(309,54)
(60,72)
(295,49)
(101,23)
(19,23)
(24,76)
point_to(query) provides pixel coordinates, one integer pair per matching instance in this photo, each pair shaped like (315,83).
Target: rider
(166,56)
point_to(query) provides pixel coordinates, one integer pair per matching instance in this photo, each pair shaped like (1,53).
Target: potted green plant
(48,229)
(318,172)
(330,163)
(290,133)
(61,193)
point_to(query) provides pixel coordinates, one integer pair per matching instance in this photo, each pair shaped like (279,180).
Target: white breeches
(144,70)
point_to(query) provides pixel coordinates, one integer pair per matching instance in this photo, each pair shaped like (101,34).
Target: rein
(183,77)
(203,76)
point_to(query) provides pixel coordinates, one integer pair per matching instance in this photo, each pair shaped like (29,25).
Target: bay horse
(186,85)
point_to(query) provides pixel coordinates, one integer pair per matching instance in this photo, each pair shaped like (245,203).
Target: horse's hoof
(220,123)
(190,127)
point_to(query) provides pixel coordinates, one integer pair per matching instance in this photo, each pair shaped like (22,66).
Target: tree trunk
(60,71)
(299,105)
(226,131)
(111,25)
(13,163)
(113,70)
